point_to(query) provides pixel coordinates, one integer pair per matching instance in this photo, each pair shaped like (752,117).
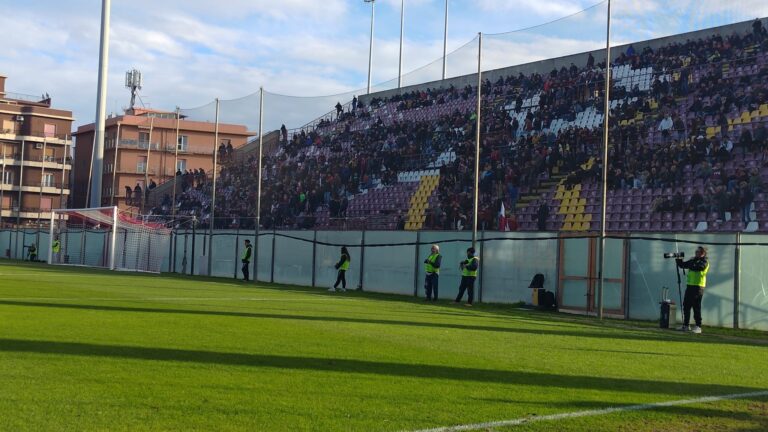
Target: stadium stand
(689,151)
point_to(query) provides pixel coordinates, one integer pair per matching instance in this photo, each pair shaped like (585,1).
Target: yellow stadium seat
(567,226)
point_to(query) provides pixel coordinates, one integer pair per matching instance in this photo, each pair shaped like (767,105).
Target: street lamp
(370,47)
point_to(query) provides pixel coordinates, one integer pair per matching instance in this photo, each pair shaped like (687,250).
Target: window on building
(9,126)
(45,203)
(141,165)
(49,130)
(181,165)
(48,180)
(143,139)
(182,144)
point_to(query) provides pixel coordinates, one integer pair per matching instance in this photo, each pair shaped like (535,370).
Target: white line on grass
(611,410)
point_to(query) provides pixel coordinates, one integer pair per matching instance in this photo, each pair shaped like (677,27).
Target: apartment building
(36,148)
(144,146)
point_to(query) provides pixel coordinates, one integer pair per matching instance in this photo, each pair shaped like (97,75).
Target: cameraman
(697,267)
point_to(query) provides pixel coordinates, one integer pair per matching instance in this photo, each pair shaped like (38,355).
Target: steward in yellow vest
(697,267)
(432,269)
(468,268)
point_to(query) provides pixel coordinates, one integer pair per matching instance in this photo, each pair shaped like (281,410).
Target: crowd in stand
(690,92)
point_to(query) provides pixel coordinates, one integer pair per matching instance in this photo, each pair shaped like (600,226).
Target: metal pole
(314,258)
(213,189)
(480,268)
(362,261)
(400,67)
(416,265)
(370,47)
(21,186)
(237,249)
(2,190)
(445,38)
(63,175)
(90,174)
(114,165)
(145,192)
(42,178)
(258,188)
(50,240)
(175,167)
(113,246)
(477,137)
(737,281)
(101,106)
(603,202)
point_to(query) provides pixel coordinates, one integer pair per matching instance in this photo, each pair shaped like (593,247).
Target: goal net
(107,238)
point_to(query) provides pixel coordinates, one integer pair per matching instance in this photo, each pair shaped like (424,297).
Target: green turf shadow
(636,335)
(354,366)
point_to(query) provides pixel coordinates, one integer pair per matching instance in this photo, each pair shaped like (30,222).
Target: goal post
(108,238)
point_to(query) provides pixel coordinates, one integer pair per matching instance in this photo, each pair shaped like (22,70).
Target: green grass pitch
(83,349)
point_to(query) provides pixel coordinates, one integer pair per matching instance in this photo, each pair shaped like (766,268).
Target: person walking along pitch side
(246,259)
(697,267)
(342,266)
(432,268)
(469,268)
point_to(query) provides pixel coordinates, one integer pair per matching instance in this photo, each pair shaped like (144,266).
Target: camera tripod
(680,291)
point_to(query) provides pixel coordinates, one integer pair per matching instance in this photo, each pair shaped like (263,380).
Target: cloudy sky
(193,51)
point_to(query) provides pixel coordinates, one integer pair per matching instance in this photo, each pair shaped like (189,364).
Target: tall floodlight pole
(213,189)
(101,107)
(175,166)
(2,190)
(114,166)
(477,137)
(445,38)
(145,198)
(402,22)
(258,187)
(603,204)
(370,46)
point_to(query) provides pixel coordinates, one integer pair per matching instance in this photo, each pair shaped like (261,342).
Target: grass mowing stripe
(604,411)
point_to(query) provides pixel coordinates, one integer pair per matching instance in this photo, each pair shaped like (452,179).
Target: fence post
(192,255)
(416,265)
(480,282)
(170,252)
(314,257)
(362,260)
(737,281)
(272,266)
(237,247)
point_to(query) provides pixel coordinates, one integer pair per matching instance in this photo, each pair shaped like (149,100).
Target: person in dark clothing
(697,267)
(128,194)
(468,268)
(32,252)
(342,266)
(246,259)
(432,269)
(339,109)
(137,198)
(541,216)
